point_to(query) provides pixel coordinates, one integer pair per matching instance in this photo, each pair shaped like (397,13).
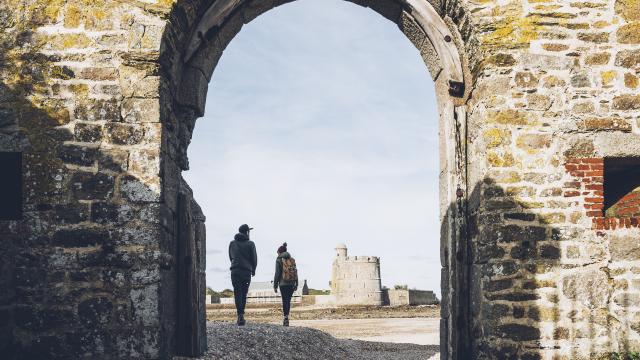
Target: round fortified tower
(355,280)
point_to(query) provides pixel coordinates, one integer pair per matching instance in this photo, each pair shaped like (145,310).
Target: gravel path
(264,341)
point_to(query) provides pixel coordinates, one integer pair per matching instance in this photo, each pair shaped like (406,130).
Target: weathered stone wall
(355,280)
(555,93)
(397,297)
(101,101)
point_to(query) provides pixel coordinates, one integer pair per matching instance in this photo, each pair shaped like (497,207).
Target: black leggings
(240,281)
(287,292)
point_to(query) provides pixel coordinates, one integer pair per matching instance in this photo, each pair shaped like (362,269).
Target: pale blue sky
(321,128)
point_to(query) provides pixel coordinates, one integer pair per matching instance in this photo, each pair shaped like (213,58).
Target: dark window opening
(622,187)
(10,186)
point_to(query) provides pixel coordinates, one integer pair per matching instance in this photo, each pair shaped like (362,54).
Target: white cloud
(321,128)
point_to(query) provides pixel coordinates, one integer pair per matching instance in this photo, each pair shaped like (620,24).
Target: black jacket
(242,253)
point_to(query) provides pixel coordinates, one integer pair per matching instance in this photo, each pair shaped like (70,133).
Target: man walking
(242,253)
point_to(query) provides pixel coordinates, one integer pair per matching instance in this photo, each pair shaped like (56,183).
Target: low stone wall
(262,300)
(411,297)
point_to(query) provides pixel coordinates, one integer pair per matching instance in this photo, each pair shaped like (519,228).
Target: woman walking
(286,278)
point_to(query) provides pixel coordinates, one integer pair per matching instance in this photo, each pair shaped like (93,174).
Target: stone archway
(189,70)
(92,102)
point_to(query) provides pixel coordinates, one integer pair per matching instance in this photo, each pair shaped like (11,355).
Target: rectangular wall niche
(10,186)
(622,187)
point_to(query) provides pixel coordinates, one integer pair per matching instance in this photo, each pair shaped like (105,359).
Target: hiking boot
(285,322)
(241,320)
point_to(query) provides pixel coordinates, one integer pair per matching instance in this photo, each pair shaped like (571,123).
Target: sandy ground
(422,331)
(264,313)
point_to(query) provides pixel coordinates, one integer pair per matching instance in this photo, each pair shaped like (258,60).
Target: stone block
(98,73)
(521,233)
(123,134)
(591,288)
(613,123)
(411,30)
(626,102)
(110,213)
(207,57)
(389,9)
(145,305)
(631,81)
(624,247)
(517,332)
(509,117)
(629,33)
(135,190)
(87,132)
(526,79)
(70,213)
(95,311)
(580,80)
(78,155)
(628,59)
(549,252)
(90,186)
(538,102)
(113,160)
(533,142)
(141,110)
(503,268)
(97,110)
(501,60)
(82,237)
(146,235)
(600,58)
(193,90)
(138,82)
(627,299)
(144,163)
(497,285)
(594,37)
(495,137)
(628,9)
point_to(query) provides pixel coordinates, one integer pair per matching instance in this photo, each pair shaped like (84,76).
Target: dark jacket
(242,253)
(277,279)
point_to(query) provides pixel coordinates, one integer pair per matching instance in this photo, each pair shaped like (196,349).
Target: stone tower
(355,280)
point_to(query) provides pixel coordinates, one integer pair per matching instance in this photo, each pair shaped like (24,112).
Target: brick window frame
(589,174)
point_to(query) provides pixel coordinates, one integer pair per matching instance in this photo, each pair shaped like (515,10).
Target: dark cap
(244,228)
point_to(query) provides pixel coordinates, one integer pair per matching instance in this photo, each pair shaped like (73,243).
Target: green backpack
(289,270)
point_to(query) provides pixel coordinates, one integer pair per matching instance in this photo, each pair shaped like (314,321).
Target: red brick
(593,160)
(573,184)
(595,173)
(597,200)
(571,193)
(594,206)
(594,213)
(595,187)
